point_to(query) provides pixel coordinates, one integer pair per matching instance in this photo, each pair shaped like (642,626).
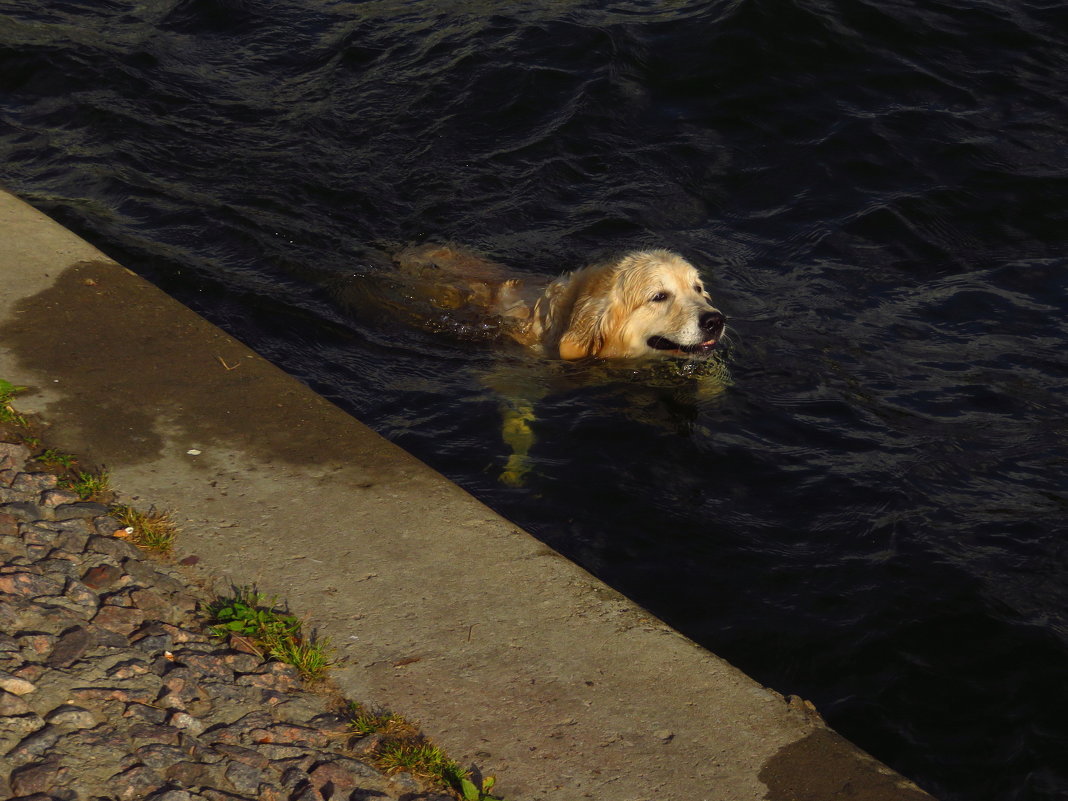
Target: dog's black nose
(712,322)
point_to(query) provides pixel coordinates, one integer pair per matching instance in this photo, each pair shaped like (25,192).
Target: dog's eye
(698,289)
(659,297)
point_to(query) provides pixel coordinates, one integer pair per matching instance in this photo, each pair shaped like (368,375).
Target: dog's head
(647,303)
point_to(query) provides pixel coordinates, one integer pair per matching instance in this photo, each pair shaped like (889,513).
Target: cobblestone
(110,689)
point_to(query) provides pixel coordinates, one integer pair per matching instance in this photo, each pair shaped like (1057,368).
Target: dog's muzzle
(711,325)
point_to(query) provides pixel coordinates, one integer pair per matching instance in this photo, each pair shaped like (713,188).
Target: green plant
(8,391)
(474,792)
(56,458)
(90,486)
(421,758)
(310,658)
(7,413)
(152,530)
(401,746)
(246,615)
(364,722)
(253,617)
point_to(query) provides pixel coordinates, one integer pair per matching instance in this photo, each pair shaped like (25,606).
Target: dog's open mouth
(663,343)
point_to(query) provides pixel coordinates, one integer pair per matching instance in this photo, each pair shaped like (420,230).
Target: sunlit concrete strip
(510,656)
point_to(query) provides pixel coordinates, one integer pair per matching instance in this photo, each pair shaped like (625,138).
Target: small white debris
(193,452)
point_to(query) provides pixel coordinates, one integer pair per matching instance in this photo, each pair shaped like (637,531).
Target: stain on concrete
(153,370)
(824,766)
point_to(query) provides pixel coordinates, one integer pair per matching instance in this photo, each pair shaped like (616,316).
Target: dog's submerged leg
(517,414)
(518,389)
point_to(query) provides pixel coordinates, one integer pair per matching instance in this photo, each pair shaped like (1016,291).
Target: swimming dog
(644,303)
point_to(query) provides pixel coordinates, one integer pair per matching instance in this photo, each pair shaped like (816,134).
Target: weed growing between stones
(399,746)
(57,460)
(422,759)
(256,622)
(89,486)
(478,792)
(152,530)
(7,412)
(364,722)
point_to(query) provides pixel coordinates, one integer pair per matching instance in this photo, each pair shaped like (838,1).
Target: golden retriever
(646,303)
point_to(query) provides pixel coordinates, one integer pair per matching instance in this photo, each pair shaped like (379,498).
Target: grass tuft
(151,530)
(400,746)
(309,657)
(57,460)
(421,758)
(89,486)
(272,633)
(364,722)
(7,413)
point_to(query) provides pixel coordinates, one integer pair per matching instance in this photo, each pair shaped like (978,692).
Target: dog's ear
(585,331)
(596,323)
(596,317)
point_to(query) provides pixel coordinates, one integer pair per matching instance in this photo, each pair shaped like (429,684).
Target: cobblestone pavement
(111,689)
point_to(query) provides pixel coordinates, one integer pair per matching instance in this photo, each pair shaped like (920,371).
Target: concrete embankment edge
(510,656)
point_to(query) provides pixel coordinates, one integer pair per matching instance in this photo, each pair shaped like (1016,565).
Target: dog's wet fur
(645,303)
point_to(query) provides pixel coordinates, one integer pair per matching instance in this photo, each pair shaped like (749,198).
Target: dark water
(872,515)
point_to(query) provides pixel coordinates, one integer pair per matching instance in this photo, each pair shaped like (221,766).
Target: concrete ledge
(510,656)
